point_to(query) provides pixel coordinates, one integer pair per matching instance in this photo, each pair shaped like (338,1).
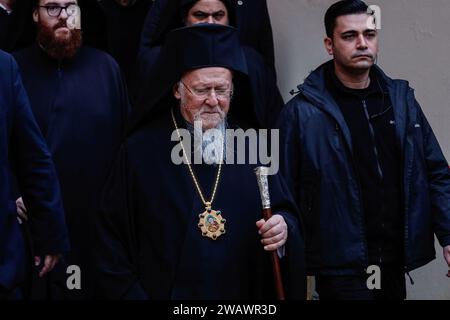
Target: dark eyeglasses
(55,11)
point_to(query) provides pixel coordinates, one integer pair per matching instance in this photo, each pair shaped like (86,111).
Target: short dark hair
(342,8)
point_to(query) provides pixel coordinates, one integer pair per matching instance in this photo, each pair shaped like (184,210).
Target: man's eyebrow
(207,12)
(209,83)
(351,32)
(348,32)
(59,4)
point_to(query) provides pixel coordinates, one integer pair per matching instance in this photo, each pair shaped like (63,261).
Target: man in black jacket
(365,167)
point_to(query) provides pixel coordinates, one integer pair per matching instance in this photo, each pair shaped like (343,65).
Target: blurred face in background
(207,11)
(125,3)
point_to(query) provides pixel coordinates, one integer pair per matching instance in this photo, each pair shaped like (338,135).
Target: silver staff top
(263,184)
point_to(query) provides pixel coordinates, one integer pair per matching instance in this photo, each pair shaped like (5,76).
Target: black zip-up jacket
(317,161)
(369,116)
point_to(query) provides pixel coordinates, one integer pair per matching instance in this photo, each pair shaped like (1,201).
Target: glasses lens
(223,93)
(220,93)
(202,93)
(53,11)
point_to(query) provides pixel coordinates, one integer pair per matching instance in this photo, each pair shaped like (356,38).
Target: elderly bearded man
(152,241)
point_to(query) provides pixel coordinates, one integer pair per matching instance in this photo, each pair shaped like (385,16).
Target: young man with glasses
(80,103)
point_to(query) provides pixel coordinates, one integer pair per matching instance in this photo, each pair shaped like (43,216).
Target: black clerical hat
(204,45)
(188,48)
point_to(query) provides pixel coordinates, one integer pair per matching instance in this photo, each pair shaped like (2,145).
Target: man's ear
(36,15)
(328,42)
(176,91)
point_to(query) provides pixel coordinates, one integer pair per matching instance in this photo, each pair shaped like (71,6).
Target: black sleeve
(153,24)
(116,252)
(293,263)
(290,148)
(439,181)
(36,176)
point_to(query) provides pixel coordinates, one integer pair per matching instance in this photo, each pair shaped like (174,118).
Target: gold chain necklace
(211,222)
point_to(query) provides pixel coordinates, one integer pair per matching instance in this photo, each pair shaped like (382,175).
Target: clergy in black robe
(250,17)
(23,150)
(80,103)
(152,243)
(267,100)
(17,29)
(115,26)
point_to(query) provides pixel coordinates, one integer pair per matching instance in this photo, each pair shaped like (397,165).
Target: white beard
(213,145)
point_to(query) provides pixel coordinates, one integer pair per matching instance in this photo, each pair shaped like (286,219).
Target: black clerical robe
(253,27)
(250,17)
(80,106)
(115,29)
(149,244)
(258,91)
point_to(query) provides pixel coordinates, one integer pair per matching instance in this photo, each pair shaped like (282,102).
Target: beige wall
(415,45)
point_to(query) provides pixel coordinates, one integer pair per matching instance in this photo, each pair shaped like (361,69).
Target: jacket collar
(314,90)
(335,85)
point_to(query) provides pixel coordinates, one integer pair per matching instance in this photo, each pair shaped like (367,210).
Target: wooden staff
(261,177)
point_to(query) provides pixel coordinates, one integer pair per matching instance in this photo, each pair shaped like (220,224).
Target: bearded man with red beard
(80,103)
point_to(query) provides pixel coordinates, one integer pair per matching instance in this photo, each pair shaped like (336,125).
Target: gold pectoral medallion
(211,224)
